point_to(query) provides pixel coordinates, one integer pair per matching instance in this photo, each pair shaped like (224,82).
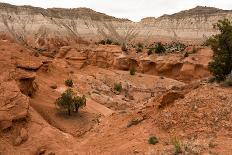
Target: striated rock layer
(192,25)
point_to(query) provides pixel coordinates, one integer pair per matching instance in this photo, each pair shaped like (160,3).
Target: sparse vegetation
(132,70)
(109,41)
(153,140)
(221,44)
(124,47)
(118,87)
(177,145)
(69,102)
(103,42)
(186,54)
(106,41)
(159,48)
(65,101)
(79,102)
(150,51)
(69,82)
(139,47)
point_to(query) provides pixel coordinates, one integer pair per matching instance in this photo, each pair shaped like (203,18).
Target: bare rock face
(22,137)
(191,25)
(13,104)
(124,63)
(29,64)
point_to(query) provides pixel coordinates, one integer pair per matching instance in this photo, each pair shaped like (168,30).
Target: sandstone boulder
(169,98)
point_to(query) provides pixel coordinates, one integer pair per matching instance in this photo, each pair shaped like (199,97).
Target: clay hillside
(193,25)
(76,81)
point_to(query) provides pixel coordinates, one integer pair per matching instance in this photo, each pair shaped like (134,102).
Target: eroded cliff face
(192,25)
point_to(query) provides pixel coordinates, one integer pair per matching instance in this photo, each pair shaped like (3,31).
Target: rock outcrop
(13,104)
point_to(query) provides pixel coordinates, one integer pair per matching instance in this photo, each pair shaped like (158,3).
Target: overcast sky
(131,9)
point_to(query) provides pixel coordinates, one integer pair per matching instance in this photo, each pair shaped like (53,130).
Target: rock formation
(31,23)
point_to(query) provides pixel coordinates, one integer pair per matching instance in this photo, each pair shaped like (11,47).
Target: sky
(134,10)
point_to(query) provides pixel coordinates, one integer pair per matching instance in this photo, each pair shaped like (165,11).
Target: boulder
(169,98)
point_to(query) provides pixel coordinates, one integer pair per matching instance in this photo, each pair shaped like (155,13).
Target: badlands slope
(170,96)
(193,25)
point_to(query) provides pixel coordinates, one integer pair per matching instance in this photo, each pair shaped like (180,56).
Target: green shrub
(177,146)
(108,41)
(118,87)
(69,102)
(65,101)
(116,43)
(69,82)
(139,47)
(132,70)
(153,140)
(103,42)
(221,44)
(159,48)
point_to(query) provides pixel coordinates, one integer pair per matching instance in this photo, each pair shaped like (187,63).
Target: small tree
(221,44)
(69,82)
(159,48)
(66,101)
(69,102)
(79,102)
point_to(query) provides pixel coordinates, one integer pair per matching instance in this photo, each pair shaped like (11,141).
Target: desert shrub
(150,51)
(108,41)
(159,48)
(177,146)
(103,42)
(124,47)
(118,87)
(69,82)
(66,101)
(69,102)
(186,54)
(132,70)
(139,47)
(221,44)
(152,140)
(116,43)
